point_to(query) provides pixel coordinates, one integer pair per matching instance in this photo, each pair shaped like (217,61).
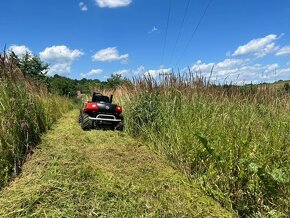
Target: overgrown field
(234,141)
(26,111)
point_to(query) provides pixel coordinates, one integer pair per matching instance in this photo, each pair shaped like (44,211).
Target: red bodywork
(93,107)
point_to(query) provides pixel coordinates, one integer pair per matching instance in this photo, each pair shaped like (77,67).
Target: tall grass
(26,111)
(234,141)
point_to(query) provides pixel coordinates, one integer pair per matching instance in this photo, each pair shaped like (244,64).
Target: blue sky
(245,40)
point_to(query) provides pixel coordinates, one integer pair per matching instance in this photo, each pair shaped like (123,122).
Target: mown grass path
(100,174)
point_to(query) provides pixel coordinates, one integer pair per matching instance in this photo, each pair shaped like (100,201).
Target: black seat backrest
(98,97)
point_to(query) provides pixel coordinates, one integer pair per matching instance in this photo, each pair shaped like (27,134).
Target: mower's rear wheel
(113,127)
(86,123)
(80,118)
(120,126)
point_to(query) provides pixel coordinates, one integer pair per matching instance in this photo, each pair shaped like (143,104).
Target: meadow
(233,140)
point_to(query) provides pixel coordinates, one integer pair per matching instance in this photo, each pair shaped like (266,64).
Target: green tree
(116,80)
(30,65)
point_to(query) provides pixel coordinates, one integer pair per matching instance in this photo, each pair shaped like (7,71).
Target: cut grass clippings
(100,174)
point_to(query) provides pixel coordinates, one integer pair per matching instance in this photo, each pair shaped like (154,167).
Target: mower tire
(86,123)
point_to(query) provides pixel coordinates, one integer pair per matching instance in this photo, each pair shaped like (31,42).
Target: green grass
(235,142)
(101,174)
(26,112)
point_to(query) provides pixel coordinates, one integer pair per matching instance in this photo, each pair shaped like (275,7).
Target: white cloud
(93,72)
(229,63)
(19,50)
(83,6)
(199,66)
(154,29)
(109,55)
(283,51)
(258,47)
(60,58)
(59,68)
(246,70)
(271,68)
(159,72)
(238,70)
(278,73)
(113,3)
(141,71)
(226,67)
(123,73)
(284,73)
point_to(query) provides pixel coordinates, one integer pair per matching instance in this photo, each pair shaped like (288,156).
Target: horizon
(245,41)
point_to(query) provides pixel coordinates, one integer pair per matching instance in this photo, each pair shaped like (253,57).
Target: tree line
(33,67)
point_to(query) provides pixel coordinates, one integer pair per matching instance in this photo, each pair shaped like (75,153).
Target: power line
(166,31)
(195,29)
(180,29)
